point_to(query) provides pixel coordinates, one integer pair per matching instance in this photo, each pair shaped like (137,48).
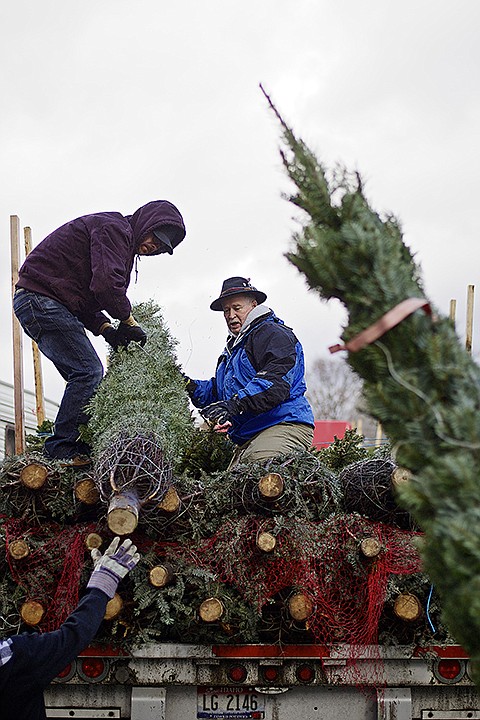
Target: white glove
(111,566)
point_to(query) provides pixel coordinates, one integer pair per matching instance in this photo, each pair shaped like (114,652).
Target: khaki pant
(276,440)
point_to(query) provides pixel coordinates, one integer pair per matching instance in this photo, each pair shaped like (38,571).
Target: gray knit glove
(113,565)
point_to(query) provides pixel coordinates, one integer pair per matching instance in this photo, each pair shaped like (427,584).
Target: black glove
(111,336)
(190,385)
(218,413)
(127,333)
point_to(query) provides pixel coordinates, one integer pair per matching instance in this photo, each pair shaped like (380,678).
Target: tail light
(305,673)
(270,673)
(67,673)
(449,670)
(93,669)
(237,673)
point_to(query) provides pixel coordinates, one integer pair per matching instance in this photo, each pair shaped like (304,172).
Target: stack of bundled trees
(310,547)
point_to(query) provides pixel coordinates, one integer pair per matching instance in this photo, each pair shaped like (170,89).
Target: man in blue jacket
(29,662)
(258,393)
(80,270)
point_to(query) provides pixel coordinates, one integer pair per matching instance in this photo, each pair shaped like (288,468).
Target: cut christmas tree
(419,382)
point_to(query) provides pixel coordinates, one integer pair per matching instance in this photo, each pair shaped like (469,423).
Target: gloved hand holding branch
(129,330)
(220,412)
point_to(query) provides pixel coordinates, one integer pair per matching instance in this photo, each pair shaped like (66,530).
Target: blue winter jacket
(263,368)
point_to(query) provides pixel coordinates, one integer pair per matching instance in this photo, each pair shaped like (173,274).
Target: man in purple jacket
(29,662)
(78,271)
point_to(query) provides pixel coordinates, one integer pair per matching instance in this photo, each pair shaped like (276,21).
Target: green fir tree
(419,381)
(143,392)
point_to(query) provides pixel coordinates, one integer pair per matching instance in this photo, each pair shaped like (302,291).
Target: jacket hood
(156,214)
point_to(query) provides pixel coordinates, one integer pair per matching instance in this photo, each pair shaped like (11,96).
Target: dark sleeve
(110,258)
(94,322)
(205,393)
(272,352)
(38,658)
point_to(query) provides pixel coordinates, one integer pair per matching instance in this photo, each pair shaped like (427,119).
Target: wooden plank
(17,342)
(37,362)
(469,328)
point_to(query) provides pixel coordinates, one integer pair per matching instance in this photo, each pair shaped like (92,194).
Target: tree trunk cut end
(123,513)
(87,492)
(93,541)
(170,502)
(32,612)
(400,477)
(266,542)
(114,607)
(271,486)
(407,607)
(161,575)
(300,607)
(33,476)
(370,547)
(18,549)
(211,610)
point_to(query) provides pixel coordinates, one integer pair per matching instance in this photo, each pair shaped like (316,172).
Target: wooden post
(359,427)
(18,394)
(37,363)
(453,311)
(379,435)
(469,328)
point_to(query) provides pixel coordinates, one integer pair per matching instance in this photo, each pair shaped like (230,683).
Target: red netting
(50,574)
(322,560)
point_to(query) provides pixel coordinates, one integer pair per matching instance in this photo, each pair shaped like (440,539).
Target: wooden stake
(360,426)
(379,435)
(18,393)
(453,311)
(37,363)
(469,328)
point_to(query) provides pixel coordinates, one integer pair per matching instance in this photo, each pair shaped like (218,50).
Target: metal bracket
(394,704)
(148,703)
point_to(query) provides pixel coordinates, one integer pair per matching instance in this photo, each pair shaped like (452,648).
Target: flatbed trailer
(267,682)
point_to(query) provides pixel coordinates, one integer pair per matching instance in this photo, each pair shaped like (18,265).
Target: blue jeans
(61,337)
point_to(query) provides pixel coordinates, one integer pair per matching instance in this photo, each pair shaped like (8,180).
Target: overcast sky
(108,104)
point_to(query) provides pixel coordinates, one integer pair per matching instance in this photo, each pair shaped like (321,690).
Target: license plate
(230,702)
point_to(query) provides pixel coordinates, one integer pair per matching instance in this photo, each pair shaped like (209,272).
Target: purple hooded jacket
(86,263)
